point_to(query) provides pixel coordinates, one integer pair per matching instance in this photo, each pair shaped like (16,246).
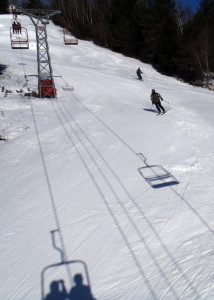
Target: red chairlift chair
(19,37)
(68,38)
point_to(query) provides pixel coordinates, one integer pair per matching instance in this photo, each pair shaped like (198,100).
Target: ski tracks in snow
(126,214)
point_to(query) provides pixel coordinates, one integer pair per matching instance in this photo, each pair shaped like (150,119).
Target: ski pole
(166,101)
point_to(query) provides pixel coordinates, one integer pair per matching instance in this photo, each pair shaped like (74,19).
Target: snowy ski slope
(131,192)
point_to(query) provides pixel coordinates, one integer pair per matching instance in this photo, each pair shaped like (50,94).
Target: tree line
(173,39)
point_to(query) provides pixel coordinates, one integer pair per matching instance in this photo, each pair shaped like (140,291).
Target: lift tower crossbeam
(40,18)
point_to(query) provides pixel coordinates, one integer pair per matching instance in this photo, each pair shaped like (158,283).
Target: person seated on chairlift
(16,27)
(19,30)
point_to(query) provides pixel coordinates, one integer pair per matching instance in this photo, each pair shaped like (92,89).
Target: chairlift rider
(19,28)
(16,27)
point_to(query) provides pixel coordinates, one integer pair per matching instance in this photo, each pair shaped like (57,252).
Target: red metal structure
(68,38)
(47,89)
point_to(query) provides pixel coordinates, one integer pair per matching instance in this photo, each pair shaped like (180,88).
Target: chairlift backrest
(45,21)
(68,38)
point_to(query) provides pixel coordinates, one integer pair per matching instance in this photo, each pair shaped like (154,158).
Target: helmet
(153,91)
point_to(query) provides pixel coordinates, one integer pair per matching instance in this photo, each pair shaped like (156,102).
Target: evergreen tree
(4,6)
(123,26)
(198,38)
(160,34)
(34,4)
(175,41)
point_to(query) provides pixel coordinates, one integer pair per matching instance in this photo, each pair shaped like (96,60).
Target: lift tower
(40,18)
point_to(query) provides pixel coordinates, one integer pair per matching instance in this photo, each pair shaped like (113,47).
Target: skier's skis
(161,113)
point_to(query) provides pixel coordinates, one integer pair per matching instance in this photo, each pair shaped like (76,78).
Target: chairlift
(61,274)
(45,21)
(10,8)
(67,87)
(19,37)
(68,38)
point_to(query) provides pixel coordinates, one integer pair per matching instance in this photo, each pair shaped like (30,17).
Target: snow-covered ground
(132,193)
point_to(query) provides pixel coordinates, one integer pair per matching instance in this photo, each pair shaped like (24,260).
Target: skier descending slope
(139,72)
(156,99)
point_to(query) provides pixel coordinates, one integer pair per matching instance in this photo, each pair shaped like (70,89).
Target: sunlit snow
(132,193)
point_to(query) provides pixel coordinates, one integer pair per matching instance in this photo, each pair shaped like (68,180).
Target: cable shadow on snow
(155,175)
(160,270)
(194,211)
(182,273)
(104,198)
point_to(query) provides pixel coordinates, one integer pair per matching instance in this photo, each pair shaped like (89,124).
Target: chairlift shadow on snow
(66,279)
(155,175)
(61,279)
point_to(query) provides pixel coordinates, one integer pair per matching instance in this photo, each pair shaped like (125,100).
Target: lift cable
(99,189)
(122,186)
(99,119)
(91,175)
(131,199)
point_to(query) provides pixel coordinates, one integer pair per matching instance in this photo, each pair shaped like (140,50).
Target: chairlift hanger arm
(38,13)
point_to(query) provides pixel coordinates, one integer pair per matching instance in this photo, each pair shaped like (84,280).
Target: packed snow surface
(130,193)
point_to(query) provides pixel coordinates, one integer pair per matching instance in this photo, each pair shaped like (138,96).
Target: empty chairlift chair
(68,38)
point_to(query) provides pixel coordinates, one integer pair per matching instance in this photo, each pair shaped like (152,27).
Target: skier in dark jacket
(156,100)
(139,72)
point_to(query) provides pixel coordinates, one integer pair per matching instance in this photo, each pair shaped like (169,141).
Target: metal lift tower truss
(40,18)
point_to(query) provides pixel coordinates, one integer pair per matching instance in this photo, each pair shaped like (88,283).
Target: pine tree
(34,4)
(197,44)
(122,24)
(160,34)
(3,6)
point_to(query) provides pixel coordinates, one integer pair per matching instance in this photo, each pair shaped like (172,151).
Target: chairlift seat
(67,88)
(68,38)
(19,40)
